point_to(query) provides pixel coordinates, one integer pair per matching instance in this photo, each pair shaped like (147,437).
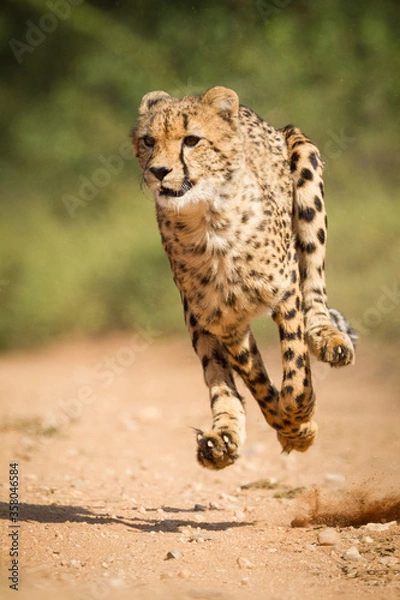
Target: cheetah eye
(191,140)
(149,141)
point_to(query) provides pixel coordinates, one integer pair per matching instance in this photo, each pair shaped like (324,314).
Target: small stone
(328,537)
(244,563)
(173,554)
(389,561)
(141,510)
(196,486)
(214,506)
(239,514)
(184,574)
(380,526)
(228,497)
(272,550)
(198,518)
(368,539)
(301,521)
(335,477)
(199,537)
(244,581)
(74,563)
(351,571)
(353,554)
(310,547)
(200,507)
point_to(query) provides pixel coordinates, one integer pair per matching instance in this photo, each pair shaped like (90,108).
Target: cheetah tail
(340,322)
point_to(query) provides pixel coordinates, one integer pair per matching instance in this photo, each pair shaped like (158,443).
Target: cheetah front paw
(217,449)
(332,346)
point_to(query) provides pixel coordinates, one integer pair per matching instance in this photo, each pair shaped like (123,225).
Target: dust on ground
(114,506)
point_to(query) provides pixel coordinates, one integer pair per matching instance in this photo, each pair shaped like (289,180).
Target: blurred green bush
(79,246)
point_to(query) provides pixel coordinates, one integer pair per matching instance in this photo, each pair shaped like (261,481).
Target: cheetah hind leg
(333,342)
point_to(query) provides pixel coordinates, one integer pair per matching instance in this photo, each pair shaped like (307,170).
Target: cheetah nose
(160,172)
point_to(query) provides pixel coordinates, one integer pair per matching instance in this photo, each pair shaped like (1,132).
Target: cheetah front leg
(219,447)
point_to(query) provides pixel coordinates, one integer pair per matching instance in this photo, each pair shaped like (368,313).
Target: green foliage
(79,247)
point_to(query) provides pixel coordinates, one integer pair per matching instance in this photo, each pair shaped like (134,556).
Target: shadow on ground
(53,513)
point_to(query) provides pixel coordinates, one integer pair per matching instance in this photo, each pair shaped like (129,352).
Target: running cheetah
(240,208)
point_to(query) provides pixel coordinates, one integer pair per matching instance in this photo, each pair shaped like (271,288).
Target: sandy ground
(113,505)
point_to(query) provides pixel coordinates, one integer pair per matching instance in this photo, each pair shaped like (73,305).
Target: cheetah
(240,208)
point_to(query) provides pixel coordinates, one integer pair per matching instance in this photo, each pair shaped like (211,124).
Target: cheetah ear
(226,101)
(150,100)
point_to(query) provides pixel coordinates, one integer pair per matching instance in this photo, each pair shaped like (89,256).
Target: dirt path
(113,504)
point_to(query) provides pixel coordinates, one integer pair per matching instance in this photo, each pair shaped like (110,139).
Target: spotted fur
(240,208)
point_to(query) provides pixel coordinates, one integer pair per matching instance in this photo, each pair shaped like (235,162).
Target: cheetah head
(188,148)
